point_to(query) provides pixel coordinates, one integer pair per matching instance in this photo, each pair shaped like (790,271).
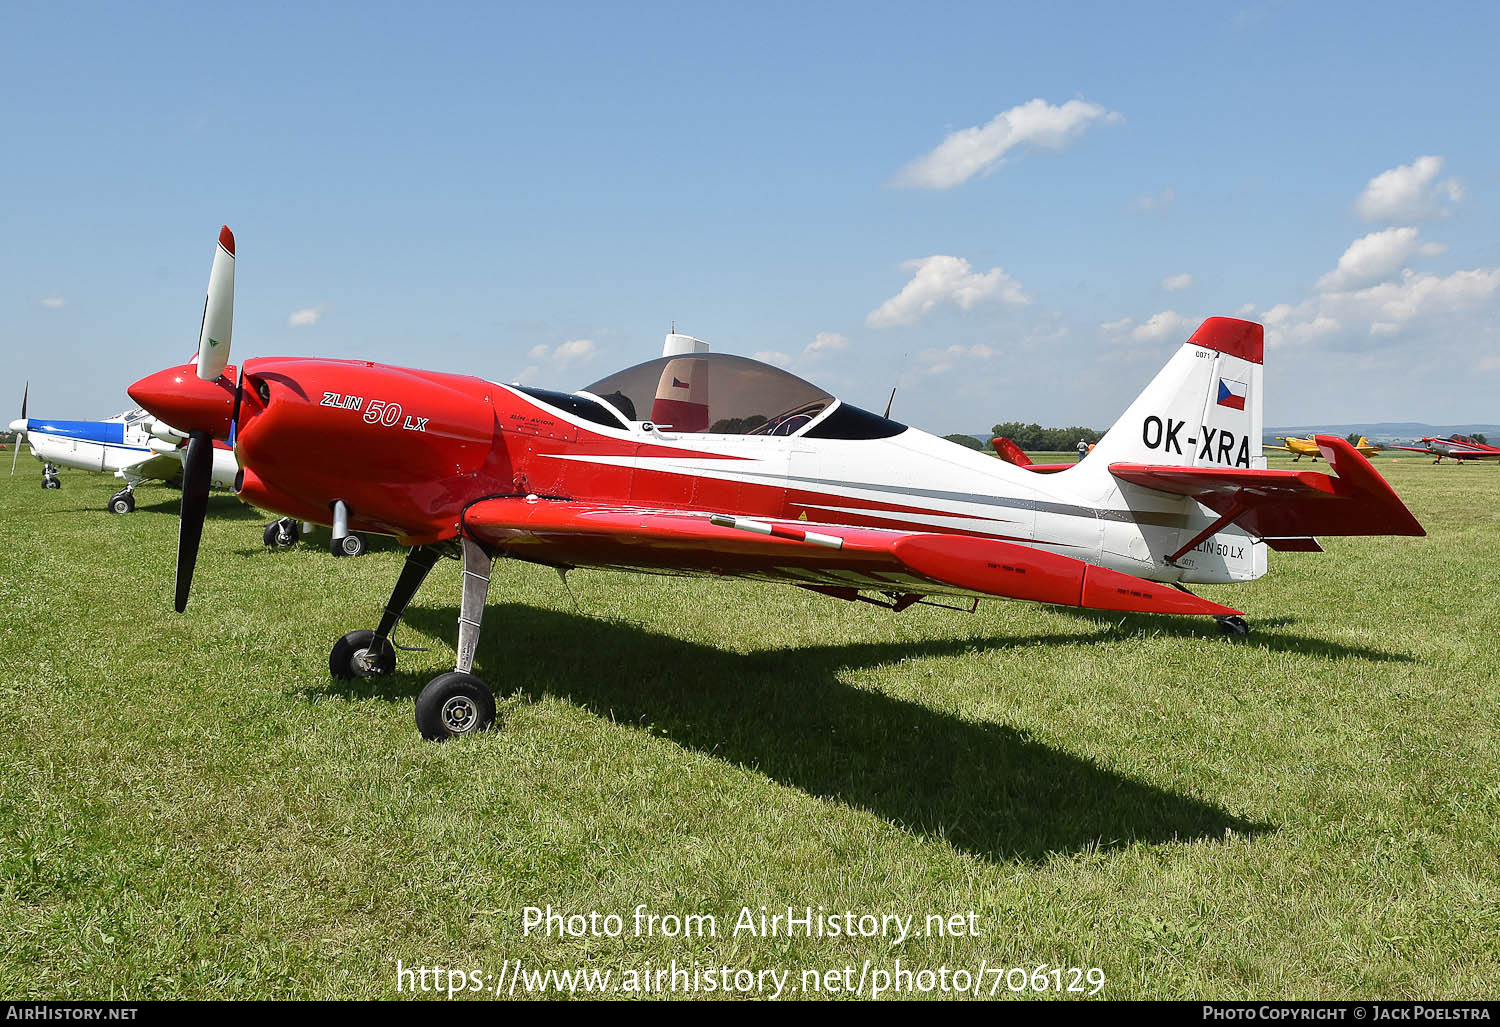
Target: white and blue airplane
(132,445)
(137,448)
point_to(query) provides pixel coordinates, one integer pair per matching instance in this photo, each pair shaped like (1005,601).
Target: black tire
(122,503)
(347,660)
(454,704)
(282,534)
(51,483)
(1234,627)
(352,544)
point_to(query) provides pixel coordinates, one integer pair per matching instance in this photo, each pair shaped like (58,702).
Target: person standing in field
(1083,450)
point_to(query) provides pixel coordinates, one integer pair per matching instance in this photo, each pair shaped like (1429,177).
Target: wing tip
(226,239)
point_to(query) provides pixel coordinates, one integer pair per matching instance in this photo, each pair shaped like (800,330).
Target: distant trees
(1035,437)
(967,441)
(1352,438)
(1479,437)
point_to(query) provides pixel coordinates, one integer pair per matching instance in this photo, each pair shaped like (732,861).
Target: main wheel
(51,483)
(122,502)
(352,544)
(454,704)
(282,534)
(356,656)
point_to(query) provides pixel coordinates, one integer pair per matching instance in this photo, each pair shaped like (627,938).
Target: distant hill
(1389,431)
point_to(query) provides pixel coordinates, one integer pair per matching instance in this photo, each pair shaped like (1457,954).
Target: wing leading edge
(566,532)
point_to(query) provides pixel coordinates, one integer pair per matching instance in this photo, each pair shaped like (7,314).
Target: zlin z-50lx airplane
(712,464)
(1458,447)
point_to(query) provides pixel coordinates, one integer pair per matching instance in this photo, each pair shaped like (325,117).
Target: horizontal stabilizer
(1288,505)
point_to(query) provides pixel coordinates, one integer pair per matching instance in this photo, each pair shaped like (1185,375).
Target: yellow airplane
(1307,447)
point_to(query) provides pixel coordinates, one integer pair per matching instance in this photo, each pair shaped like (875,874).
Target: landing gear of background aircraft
(122,502)
(352,544)
(360,655)
(1234,627)
(282,534)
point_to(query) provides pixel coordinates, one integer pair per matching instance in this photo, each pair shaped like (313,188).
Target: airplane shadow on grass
(221,506)
(986,788)
(1263,634)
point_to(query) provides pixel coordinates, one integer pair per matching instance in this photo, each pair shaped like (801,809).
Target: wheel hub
(460,714)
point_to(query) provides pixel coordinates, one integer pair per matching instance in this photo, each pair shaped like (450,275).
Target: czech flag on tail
(1232,394)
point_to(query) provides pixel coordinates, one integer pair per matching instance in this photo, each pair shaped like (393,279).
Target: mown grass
(190,806)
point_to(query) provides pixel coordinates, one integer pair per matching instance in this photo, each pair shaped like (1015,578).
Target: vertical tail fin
(1203,409)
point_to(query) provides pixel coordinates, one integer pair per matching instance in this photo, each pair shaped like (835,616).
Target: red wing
(1289,504)
(565,532)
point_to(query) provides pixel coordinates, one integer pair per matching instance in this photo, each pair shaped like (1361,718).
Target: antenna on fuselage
(892,400)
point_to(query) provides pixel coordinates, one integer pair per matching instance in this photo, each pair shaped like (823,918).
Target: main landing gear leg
(458,703)
(365,653)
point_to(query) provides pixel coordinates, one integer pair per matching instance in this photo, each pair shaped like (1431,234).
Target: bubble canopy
(717,393)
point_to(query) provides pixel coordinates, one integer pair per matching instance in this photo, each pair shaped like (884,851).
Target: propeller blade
(218,311)
(197,467)
(20,435)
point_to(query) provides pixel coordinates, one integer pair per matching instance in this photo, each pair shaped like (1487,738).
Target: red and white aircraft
(707,463)
(1459,447)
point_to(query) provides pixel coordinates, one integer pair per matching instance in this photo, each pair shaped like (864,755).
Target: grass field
(190,806)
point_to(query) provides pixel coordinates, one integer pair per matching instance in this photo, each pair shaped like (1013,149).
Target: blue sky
(1017,212)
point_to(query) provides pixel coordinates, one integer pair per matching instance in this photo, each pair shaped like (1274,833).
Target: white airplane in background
(137,448)
(132,444)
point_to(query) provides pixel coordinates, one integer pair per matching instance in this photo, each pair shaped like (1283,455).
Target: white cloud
(939,279)
(1156,201)
(1177,283)
(564,354)
(1386,310)
(304,317)
(826,342)
(1408,193)
(1246,309)
(979,149)
(941,361)
(771,356)
(575,351)
(1377,256)
(53,302)
(1167,324)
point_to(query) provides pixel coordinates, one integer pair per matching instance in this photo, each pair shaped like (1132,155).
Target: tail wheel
(454,704)
(1234,627)
(357,655)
